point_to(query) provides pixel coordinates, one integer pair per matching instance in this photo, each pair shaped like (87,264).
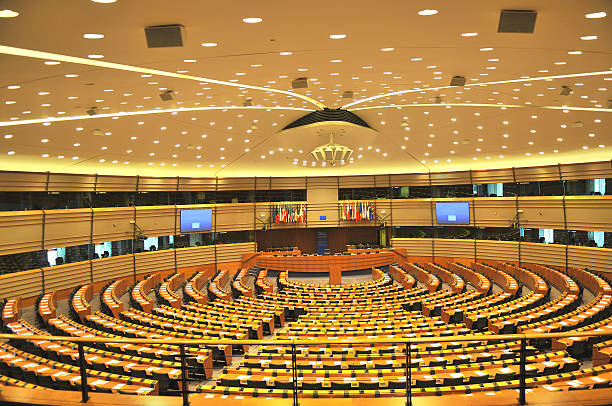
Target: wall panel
(599,259)
(70,182)
(588,170)
(358,181)
(12,181)
(412,212)
(233,252)
(194,256)
(154,261)
(20,231)
(454,248)
(65,228)
(551,254)
(494,211)
(420,247)
(67,276)
(156,220)
(410,179)
(24,284)
(111,224)
(197,184)
(234,217)
(481,176)
(110,183)
(288,183)
(112,267)
(498,250)
(537,173)
(157,184)
(450,178)
(541,212)
(236,184)
(589,212)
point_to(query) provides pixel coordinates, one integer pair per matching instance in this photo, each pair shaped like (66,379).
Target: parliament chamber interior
(349,203)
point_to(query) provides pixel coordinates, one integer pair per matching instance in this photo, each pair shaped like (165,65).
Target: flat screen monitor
(453,212)
(195,220)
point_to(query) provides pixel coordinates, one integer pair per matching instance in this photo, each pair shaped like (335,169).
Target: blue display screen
(453,212)
(193,220)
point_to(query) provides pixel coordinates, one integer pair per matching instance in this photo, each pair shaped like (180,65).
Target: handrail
(424,340)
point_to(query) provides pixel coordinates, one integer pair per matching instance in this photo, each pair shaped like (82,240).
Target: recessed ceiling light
(8,136)
(44,140)
(337,36)
(8,14)
(11,152)
(588,37)
(189,60)
(574,52)
(10,102)
(599,14)
(286,53)
(252,20)
(387,49)
(93,36)
(427,12)
(52,63)
(469,34)
(486,49)
(71,75)
(95,56)
(104,1)
(209,44)
(336,60)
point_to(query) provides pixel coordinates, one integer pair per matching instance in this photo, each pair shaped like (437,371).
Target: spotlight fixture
(438,100)
(92,111)
(331,152)
(565,90)
(167,95)
(247,103)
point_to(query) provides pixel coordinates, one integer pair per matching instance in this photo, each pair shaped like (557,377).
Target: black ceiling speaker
(167,95)
(162,36)
(458,81)
(299,83)
(522,21)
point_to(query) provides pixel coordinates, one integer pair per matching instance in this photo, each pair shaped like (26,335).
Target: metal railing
(183,344)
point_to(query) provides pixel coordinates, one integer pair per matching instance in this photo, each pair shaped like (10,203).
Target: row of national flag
(289,213)
(357,211)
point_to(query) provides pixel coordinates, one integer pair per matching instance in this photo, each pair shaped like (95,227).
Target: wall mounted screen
(452,212)
(194,220)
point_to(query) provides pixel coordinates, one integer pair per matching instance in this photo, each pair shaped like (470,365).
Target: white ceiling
(223,142)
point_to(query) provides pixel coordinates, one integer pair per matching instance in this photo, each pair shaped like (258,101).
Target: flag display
(288,212)
(357,211)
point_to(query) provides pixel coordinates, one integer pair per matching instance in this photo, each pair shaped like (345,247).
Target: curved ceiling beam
(426,89)
(139,113)
(499,106)
(29,53)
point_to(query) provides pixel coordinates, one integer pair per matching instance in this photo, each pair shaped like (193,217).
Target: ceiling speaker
(299,83)
(522,21)
(458,81)
(247,103)
(565,90)
(92,111)
(167,95)
(162,36)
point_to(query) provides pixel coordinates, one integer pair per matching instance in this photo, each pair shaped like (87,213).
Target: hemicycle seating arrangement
(364,328)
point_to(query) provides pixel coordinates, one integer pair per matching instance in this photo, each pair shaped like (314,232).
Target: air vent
(299,83)
(162,36)
(458,81)
(328,115)
(522,21)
